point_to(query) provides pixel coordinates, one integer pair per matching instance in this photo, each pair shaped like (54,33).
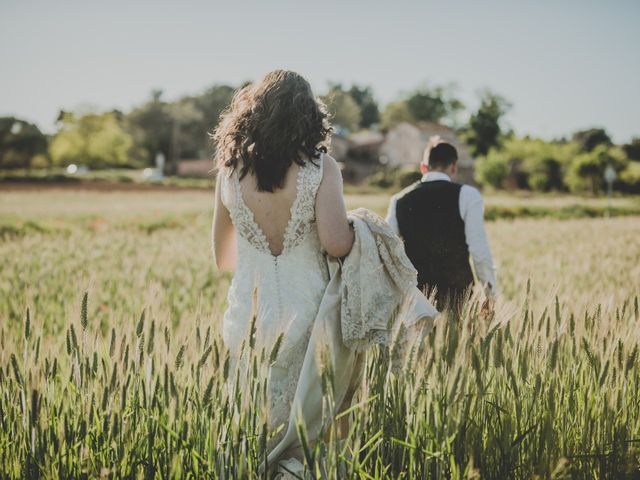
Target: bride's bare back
(272,211)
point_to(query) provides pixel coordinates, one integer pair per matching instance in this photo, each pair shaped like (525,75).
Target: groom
(441,223)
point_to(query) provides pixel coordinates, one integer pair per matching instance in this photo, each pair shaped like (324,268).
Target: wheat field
(111,364)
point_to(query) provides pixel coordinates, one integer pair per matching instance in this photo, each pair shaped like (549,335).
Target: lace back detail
(241,216)
(302,210)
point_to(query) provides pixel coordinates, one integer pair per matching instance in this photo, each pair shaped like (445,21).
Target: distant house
(365,146)
(404,146)
(358,154)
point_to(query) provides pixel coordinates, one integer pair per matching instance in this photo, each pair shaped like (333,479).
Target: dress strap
(303,210)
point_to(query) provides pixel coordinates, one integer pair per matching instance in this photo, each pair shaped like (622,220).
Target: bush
(527,163)
(629,179)
(492,170)
(94,139)
(586,171)
(543,174)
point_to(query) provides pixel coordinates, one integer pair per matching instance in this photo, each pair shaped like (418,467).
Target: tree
(434,104)
(544,174)
(528,163)
(586,172)
(369,112)
(395,113)
(20,143)
(188,132)
(591,138)
(151,126)
(632,149)
(344,110)
(95,139)
(212,103)
(484,130)
(492,170)
(178,129)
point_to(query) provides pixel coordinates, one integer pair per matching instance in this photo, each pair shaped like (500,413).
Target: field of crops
(111,364)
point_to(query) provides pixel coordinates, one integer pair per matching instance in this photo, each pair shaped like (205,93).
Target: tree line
(180,130)
(577,164)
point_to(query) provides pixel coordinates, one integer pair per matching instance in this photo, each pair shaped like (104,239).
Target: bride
(308,276)
(279,209)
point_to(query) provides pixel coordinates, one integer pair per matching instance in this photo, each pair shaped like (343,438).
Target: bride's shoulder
(331,168)
(225,185)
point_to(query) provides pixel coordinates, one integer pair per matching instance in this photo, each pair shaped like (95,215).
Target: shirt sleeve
(391,215)
(472,212)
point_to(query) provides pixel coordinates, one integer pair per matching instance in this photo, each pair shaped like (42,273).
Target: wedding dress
(282,291)
(318,302)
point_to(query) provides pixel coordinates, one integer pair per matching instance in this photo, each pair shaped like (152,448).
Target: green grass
(498,205)
(133,380)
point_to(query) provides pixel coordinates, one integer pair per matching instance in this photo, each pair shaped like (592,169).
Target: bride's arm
(335,233)
(223,234)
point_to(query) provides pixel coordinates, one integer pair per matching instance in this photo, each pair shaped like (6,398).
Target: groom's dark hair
(442,155)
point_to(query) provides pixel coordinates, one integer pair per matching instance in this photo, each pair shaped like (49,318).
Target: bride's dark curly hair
(269,125)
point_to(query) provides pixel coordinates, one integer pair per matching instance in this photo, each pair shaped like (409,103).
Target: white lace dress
(283,291)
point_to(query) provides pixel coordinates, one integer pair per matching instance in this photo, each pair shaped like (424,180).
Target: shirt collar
(433,176)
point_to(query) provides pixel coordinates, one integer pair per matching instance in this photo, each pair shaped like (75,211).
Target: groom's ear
(423,168)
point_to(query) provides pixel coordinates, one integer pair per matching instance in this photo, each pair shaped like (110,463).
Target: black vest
(429,220)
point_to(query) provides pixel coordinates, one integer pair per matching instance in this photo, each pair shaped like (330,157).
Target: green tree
(395,113)
(434,104)
(586,172)
(492,170)
(20,143)
(151,126)
(544,174)
(344,110)
(193,118)
(484,130)
(178,129)
(542,164)
(529,162)
(369,112)
(212,103)
(188,132)
(592,138)
(94,139)
(632,149)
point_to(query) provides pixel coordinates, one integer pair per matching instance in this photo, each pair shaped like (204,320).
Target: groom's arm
(472,212)
(391,215)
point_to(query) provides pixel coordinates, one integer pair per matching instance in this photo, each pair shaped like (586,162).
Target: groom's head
(440,157)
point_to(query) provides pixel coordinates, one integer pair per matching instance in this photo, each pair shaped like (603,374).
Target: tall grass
(522,395)
(111,364)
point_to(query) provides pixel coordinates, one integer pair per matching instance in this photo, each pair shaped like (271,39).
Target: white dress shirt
(471,209)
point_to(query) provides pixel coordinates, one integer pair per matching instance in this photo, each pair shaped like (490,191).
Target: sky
(564,65)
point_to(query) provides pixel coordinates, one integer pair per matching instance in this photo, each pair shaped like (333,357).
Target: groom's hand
(488,308)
